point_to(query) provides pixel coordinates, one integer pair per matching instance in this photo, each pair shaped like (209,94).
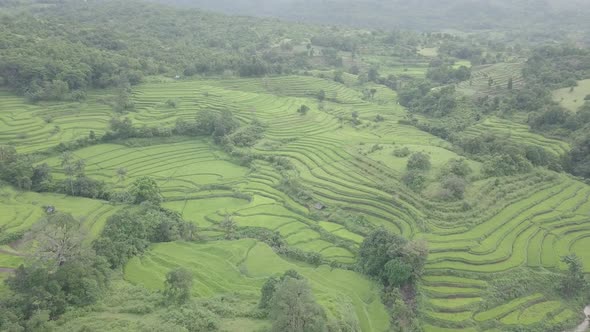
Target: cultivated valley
(164,168)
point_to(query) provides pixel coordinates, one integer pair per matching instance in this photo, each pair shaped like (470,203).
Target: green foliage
(145,189)
(506,165)
(131,231)
(294,308)
(35,288)
(218,126)
(192,316)
(272,284)
(420,97)
(419,161)
(458,167)
(246,136)
(266,293)
(446,74)
(402,152)
(178,285)
(117,47)
(401,315)
(303,109)
(415,180)
(573,282)
(557,66)
(391,258)
(15,169)
(397,272)
(453,187)
(59,238)
(578,160)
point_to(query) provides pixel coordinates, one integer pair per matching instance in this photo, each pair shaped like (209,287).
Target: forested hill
(49,50)
(534,16)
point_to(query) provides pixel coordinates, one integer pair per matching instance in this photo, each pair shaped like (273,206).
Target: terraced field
(497,74)
(21,210)
(528,221)
(243,266)
(517,133)
(33,128)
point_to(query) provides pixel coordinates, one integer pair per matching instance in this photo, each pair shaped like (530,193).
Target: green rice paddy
(497,74)
(243,266)
(529,221)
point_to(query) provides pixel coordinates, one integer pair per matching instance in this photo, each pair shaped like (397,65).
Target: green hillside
(192,175)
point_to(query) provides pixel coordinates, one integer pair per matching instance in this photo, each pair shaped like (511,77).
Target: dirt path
(586,324)
(6,270)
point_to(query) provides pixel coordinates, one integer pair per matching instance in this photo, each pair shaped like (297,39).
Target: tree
(453,187)
(145,189)
(122,127)
(77,282)
(121,174)
(414,180)
(303,109)
(373,75)
(506,164)
(397,272)
(229,226)
(458,167)
(574,281)
(321,95)
(294,308)
(271,285)
(15,169)
(79,168)
(41,179)
(267,291)
(68,167)
(377,249)
(58,238)
(391,258)
(419,161)
(130,232)
(339,76)
(178,285)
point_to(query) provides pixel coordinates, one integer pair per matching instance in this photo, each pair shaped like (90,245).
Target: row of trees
(398,264)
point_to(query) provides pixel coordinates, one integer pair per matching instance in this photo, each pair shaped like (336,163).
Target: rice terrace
(173,167)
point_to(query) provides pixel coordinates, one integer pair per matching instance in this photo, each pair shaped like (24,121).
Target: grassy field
(573,99)
(521,222)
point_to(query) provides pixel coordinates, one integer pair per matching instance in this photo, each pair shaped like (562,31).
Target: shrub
(419,161)
(458,167)
(415,180)
(505,165)
(303,109)
(453,187)
(172,103)
(402,152)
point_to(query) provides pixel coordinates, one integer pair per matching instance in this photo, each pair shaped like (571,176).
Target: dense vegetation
(174,170)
